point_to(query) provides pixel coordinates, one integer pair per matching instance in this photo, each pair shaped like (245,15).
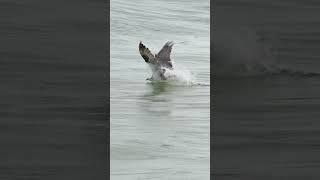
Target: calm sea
(160,131)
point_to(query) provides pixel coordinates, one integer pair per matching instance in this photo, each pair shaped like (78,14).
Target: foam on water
(180,76)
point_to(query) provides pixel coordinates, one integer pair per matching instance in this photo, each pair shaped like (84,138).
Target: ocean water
(160,130)
(266,90)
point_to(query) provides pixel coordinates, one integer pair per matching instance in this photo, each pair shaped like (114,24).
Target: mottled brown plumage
(162,58)
(157,62)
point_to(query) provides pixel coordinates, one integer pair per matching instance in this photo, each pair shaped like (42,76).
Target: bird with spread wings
(159,61)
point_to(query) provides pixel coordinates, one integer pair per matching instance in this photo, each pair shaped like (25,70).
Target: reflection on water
(157,100)
(158,88)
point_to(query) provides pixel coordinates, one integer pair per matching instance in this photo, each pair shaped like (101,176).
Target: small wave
(176,83)
(202,84)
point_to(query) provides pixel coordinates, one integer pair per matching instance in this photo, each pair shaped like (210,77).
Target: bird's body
(159,63)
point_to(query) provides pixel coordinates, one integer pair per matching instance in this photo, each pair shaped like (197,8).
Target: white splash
(176,76)
(179,76)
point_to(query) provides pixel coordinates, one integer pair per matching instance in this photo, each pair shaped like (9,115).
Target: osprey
(158,62)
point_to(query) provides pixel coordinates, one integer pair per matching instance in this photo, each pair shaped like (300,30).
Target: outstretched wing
(164,55)
(145,53)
